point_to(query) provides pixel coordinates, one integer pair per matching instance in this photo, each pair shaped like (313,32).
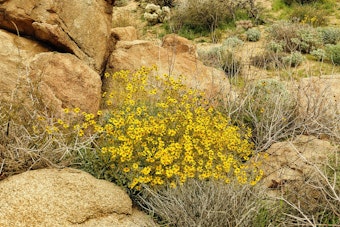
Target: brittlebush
(158,132)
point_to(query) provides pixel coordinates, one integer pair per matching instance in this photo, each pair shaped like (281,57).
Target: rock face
(15,55)
(292,161)
(131,55)
(124,33)
(178,44)
(65,197)
(65,81)
(78,27)
(61,79)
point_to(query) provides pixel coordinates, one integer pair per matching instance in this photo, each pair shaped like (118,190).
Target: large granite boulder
(65,197)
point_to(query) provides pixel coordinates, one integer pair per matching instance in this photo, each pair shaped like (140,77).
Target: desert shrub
(208,203)
(333,53)
(268,60)
(200,15)
(319,54)
(245,24)
(224,57)
(169,3)
(330,35)
(231,63)
(210,57)
(309,14)
(275,46)
(290,2)
(29,136)
(268,108)
(157,132)
(253,34)
(294,59)
(120,3)
(232,42)
(295,36)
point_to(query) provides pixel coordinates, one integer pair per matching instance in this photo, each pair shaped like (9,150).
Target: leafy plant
(253,34)
(294,59)
(333,53)
(330,35)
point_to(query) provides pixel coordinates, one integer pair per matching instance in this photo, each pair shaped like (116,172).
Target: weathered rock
(65,197)
(65,81)
(131,55)
(125,33)
(178,44)
(78,27)
(295,161)
(15,55)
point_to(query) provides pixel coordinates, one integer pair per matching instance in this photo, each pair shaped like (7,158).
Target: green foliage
(330,35)
(231,63)
(294,59)
(200,15)
(224,57)
(295,36)
(309,14)
(333,53)
(169,3)
(253,34)
(319,54)
(291,2)
(232,42)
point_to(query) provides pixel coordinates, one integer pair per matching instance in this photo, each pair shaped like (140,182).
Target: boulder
(128,33)
(292,162)
(15,55)
(65,197)
(131,55)
(178,44)
(61,79)
(78,27)
(65,81)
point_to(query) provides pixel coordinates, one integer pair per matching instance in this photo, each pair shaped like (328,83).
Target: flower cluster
(158,132)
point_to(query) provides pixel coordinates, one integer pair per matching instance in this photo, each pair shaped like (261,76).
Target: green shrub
(330,35)
(319,54)
(197,15)
(253,34)
(268,60)
(295,36)
(333,53)
(275,47)
(294,59)
(232,42)
(301,2)
(231,63)
(169,3)
(309,14)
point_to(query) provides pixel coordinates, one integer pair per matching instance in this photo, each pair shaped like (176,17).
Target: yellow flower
(76,110)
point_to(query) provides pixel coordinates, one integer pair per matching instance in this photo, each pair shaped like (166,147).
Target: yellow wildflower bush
(158,132)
